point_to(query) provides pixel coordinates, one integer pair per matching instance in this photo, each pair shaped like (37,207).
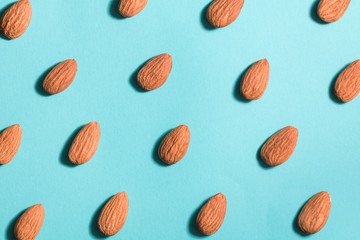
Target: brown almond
(212,214)
(85,144)
(10,140)
(280,146)
(332,10)
(129,8)
(113,216)
(16,19)
(315,213)
(255,80)
(347,85)
(29,224)
(221,13)
(155,72)
(60,77)
(175,145)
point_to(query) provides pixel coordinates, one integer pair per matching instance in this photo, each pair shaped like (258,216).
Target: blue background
(202,91)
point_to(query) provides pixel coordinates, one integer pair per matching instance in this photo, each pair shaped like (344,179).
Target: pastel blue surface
(203,92)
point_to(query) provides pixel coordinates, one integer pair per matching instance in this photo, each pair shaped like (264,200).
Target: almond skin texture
(280,146)
(113,216)
(16,19)
(175,145)
(155,72)
(315,213)
(129,8)
(223,12)
(10,140)
(347,85)
(85,144)
(60,77)
(255,80)
(212,214)
(29,224)
(332,10)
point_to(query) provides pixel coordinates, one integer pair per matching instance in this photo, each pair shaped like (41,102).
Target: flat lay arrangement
(279,144)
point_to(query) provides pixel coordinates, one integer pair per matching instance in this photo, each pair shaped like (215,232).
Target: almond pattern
(60,77)
(315,213)
(280,146)
(332,10)
(223,12)
(129,8)
(85,143)
(113,216)
(255,80)
(347,85)
(212,214)
(10,140)
(29,224)
(16,19)
(174,145)
(155,72)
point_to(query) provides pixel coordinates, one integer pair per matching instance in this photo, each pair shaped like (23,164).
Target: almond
(16,19)
(29,224)
(347,85)
(212,214)
(174,145)
(255,80)
(85,143)
(221,13)
(113,216)
(332,10)
(129,8)
(10,140)
(280,146)
(314,214)
(155,72)
(60,77)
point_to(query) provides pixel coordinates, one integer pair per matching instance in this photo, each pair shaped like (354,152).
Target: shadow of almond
(133,78)
(295,225)
(64,158)
(155,155)
(203,19)
(10,228)
(332,86)
(314,15)
(114,9)
(236,91)
(39,82)
(258,155)
(94,228)
(260,160)
(192,227)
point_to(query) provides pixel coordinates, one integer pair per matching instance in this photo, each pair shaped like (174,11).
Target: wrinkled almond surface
(60,77)
(10,140)
(85,143)
(16,19)
(255,80)
(223,12)
(332,10)
(347,85)
(315,213)
(155,72)
(129,8)
(29,223)
(174,145)
(113,216)
(212,214)
(280,146)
